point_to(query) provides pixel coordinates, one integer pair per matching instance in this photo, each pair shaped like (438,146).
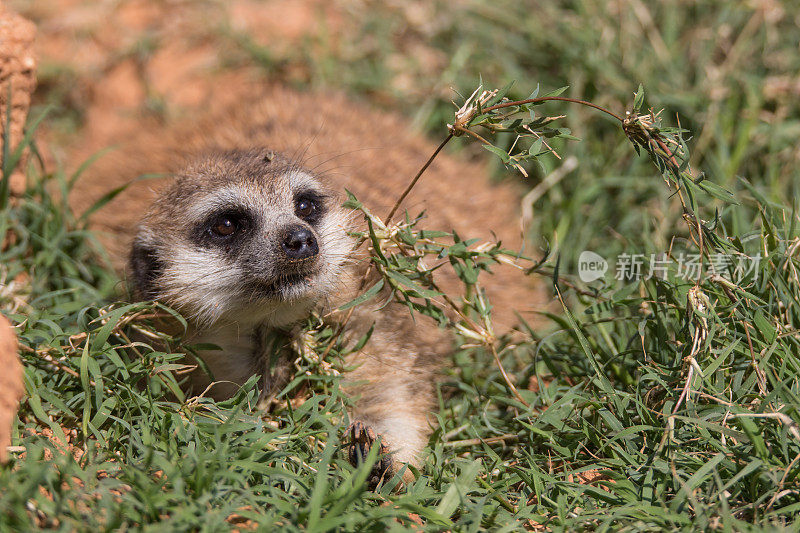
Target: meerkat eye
(224,227)
(305,207)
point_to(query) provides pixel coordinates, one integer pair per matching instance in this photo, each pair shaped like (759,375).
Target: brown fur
(374,155)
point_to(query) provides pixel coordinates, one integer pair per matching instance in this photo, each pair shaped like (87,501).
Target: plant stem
(506,378)
(416,179)
(551,98)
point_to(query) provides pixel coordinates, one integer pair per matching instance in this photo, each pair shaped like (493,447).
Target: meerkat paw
(359,439)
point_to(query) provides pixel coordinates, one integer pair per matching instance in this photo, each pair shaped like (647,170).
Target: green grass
(610,369)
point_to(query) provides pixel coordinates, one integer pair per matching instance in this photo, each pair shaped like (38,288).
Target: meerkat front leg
(394,396)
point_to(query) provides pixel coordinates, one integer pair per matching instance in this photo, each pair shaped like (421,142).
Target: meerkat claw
(361,439)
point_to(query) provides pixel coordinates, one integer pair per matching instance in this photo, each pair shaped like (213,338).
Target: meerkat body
(244,241)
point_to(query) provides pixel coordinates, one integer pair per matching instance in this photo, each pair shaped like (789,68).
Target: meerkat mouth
(291,280)
(286,284)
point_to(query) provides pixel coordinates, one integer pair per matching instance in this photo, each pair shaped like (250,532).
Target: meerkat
(246,242)
(248,236)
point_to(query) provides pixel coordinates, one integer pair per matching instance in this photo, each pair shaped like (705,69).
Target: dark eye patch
(225,227)
(310,206)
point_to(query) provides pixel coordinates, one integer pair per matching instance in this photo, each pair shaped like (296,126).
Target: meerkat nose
(299,243)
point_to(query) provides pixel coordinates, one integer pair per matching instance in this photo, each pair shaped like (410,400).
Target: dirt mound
(17,73)
(17,79)
(11,388)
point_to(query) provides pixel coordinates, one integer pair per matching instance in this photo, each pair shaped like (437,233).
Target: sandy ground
(118,60)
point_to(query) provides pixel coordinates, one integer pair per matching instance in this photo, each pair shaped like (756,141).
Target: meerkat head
(244,236)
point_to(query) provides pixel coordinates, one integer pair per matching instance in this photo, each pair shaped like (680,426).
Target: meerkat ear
(145,268)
